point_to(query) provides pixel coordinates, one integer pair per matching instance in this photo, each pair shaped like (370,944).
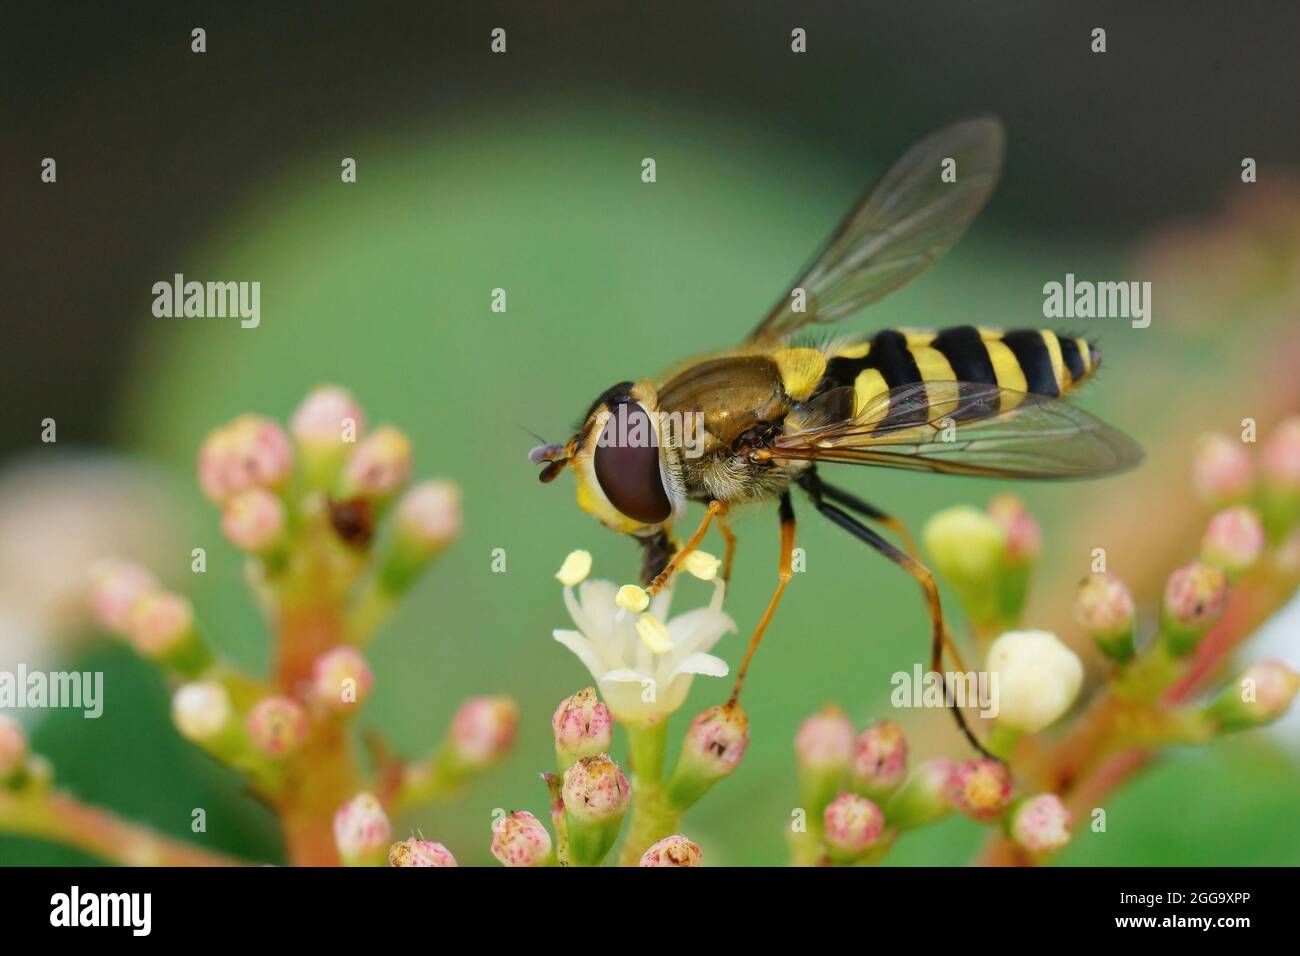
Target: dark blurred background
(154,144)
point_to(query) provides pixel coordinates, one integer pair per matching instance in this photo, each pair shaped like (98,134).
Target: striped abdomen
(1023,360)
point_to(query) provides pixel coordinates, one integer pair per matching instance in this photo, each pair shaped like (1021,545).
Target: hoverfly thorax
(627,461)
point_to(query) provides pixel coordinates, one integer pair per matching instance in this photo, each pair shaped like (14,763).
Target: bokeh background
(522,171)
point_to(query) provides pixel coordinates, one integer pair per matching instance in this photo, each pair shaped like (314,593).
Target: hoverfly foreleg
(939,634)
(786,573)
(715,508)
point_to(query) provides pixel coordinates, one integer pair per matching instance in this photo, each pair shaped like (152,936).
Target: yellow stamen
(575,569)
(632,598)
(654,633)
(702,564)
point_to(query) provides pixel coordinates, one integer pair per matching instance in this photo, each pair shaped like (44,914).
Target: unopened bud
(582,725)
(1104,608)
(413,853)
(596,795)
(115,586)
(853,825)
(980,788)
(673,850)
(1038,678)
(482,731)
(1261,695)
(1280,468)
(161,628)
(1234,540)
(202,710)
(362,831)
(277,726)
(1195,598)
(969,550)
(714,745)
(1222,470)
(1024,538)
(823,750)
(428,516)
(379,466)
(879,759)
(253,520)
(521,839)
(1040,824)
(341,679)
(249,452)
(923,797)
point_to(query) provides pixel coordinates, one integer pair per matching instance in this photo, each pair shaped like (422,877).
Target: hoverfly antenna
(545,453)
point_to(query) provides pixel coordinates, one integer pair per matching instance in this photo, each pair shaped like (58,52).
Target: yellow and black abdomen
(1036,361)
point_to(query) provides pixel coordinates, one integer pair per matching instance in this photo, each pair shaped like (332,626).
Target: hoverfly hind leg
(820,492)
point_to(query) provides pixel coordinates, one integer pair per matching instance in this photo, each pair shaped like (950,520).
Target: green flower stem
(373,607)
(431,780)
(654,816)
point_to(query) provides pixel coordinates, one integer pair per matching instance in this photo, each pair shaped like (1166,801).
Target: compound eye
(627,465)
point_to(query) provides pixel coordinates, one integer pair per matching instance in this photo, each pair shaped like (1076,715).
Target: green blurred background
(523,172)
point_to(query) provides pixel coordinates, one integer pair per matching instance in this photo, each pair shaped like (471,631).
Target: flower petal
(699,630)
(583,648)
(705,664)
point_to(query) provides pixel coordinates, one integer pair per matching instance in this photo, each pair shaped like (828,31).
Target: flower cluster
(334,536)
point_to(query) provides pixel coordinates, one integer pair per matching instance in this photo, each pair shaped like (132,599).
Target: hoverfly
(960,401)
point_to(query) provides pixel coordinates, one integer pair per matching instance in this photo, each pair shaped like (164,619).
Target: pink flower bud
(159,623)
(1104,608)
(1280,456)
(341,679)
(923,797)
(1195,597)
(1234,539)
(428,516)
(1222,470)
(718,737)
(115,586)
(13,746)
(581,725)
(253,519)
(420,853)
(520,839)
(673,850)
(249,452)
(277,726)
(1024,538)
(880,757)
(595,789)
(361,831)
(483,730)
(1041,824)
(853,825)
(381,464)
(825,741)
(980,788)
(324,416)
(1259,696)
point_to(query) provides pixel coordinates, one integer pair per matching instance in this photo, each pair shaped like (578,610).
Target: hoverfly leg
(786,573)
(662,578)
(856,504)
(939,632)
(729,555)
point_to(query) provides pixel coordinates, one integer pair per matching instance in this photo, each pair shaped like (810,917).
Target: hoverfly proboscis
(773,408)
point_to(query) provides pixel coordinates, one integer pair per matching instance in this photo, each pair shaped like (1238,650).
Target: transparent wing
(960,428)
(906,220)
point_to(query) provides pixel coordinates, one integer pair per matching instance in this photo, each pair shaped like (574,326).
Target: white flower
(1038,678)
(643,680)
